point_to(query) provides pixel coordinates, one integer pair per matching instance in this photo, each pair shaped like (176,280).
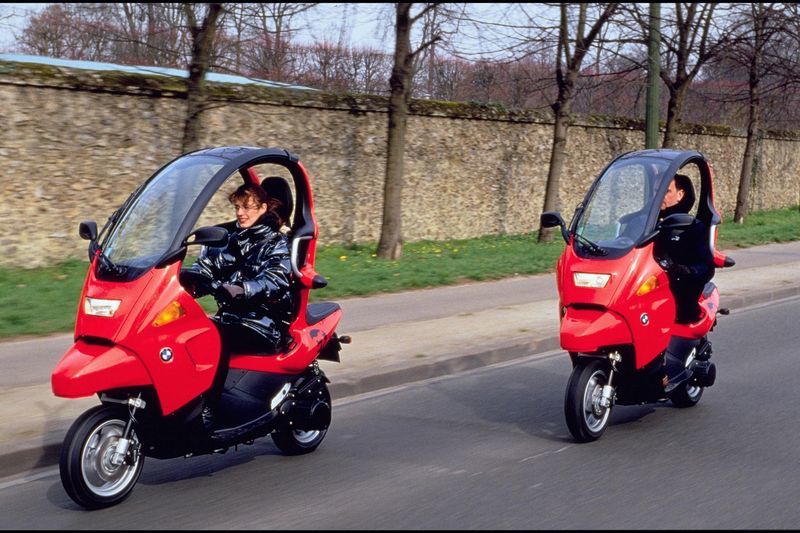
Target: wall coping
(152,85)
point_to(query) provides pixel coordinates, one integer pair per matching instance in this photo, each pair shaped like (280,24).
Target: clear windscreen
(615,216)
(150,223)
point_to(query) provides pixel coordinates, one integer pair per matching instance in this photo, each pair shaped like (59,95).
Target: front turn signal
(650,284)
(169,314)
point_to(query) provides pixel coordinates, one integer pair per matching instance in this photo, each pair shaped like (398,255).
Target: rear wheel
(686,395)
(89,473)
(299,442)
(586,417)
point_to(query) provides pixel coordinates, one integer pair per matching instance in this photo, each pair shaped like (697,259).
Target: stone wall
(74,144)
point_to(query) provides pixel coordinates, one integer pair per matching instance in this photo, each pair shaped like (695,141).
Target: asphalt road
(489,449)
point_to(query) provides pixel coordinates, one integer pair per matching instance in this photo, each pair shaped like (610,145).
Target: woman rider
(250,279)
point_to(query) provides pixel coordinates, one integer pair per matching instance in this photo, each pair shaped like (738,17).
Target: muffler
(306,415)
(704,374)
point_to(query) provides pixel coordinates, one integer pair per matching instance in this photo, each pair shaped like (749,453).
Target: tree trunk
(390,245)
(746,174)
(674,109)
(557,156)
(202,43)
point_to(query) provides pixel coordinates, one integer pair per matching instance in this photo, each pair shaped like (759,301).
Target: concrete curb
(46,454)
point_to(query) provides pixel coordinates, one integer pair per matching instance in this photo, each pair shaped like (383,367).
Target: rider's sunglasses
(251,207)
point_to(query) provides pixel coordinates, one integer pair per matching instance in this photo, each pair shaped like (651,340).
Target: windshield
(615,215)
(149,225)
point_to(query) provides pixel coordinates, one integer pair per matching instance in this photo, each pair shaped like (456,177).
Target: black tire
(298,442)
(586,419)
(686,395)
(87,474)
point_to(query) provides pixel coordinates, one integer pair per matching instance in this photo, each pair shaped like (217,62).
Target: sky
(11,26)
(364,26)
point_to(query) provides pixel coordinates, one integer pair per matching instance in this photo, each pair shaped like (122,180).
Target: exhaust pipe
(307,415)
(705,373)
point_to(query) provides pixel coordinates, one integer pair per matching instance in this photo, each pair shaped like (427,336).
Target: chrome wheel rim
(101,476)
(693,391)
(594,414)
(306,437)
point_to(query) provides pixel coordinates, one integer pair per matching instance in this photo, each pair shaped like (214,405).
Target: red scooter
(150,352)
(617,310)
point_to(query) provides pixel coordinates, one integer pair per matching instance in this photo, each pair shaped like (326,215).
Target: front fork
(123,453)
(607,394)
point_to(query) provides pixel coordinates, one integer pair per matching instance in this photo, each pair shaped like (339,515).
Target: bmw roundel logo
(645,319)
(165,354)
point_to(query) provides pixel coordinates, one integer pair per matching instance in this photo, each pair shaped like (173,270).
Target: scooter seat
(320,310)
(708,289)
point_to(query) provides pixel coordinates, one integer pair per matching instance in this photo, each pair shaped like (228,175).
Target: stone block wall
(74,144)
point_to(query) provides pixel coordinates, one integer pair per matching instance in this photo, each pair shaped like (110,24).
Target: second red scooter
(617,309)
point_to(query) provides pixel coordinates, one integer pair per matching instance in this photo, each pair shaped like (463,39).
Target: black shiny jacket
(256,259)
(688,247)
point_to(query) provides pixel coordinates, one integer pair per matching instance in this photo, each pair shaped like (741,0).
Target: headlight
(593,281)
(98,307)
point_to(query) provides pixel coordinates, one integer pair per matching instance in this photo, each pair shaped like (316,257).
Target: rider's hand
(678,270)
(234,291)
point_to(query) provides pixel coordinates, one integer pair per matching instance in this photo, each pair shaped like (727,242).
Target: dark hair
(684,183)
(256,193)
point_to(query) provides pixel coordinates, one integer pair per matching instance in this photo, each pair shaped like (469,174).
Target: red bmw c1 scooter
(617,309)
(150,352)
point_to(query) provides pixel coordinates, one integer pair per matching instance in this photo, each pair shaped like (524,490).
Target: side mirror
(208,236)
(676,221)
(88,230)
(551,219)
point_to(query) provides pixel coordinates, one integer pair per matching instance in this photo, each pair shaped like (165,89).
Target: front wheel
(586,417)
(89,473)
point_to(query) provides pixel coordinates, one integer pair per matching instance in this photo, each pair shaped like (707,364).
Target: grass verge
(44,300)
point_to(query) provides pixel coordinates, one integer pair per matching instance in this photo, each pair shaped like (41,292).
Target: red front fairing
(596,318)
(124,350)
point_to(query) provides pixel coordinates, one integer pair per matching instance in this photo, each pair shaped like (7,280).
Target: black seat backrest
(278,188)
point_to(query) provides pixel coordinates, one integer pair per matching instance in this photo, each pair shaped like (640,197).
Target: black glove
(234,291)
(678,270)
(195,283)
(226,293)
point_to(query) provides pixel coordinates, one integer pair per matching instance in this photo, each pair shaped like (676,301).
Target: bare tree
(202,34)
(267,30)
(71,31)
(433,15)
(151,33)
(575,38)
(691,36)
(754,53)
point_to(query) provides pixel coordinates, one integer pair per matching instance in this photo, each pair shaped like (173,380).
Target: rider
(250,276)
(686,254)
(250,279)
